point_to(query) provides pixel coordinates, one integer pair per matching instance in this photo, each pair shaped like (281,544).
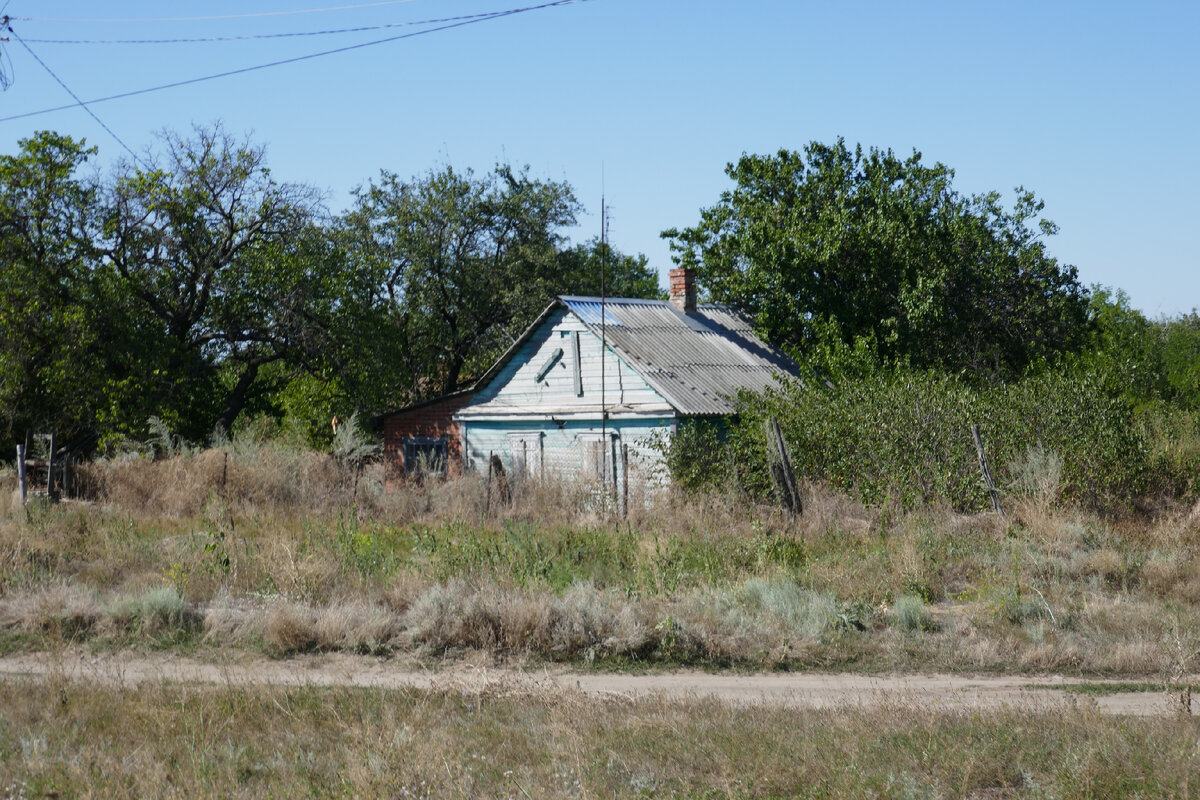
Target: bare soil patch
(783,690)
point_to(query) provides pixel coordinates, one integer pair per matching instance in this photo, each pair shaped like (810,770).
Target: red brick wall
(683,288)
(433,419)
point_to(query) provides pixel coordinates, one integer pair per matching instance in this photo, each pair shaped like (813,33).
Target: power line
(223,16)
(79,102)
(328,32)
(281,62)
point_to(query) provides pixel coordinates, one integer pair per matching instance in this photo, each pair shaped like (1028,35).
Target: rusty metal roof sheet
(697,361)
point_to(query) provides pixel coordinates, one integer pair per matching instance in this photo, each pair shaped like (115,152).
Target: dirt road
(794,689)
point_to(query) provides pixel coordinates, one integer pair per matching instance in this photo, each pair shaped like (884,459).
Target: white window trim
(590,438)
(527,451)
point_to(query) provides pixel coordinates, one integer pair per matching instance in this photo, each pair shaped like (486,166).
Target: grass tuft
(159,609)
(910,614)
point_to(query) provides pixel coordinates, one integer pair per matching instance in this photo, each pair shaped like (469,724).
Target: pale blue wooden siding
(516,390)
(564,448)
(554,421)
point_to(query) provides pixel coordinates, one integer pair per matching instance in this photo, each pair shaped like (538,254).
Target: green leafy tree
(884,252)
(218,256)
(54,342)
(624,276)
(459,264)
(1181,358)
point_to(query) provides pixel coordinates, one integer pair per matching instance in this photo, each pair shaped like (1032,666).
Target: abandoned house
(559,403)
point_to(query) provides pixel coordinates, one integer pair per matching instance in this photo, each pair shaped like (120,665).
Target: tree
(885,252)
(459,264)
(625,276)
(53,346)
(217,254)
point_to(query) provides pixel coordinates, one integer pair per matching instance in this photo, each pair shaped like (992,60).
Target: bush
(698,456)
(155,610)
(910,614)
(905,434)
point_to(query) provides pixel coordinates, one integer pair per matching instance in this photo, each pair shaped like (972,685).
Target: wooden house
(560,403)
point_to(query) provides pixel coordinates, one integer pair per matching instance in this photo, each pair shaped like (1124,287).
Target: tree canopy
(458,265)
(192,286)
(214,251)
(51,349)
(883,251)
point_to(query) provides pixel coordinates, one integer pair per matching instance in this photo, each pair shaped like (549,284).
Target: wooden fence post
(781,469)
(496,472)
(487,503)
(786,462)
(21,472)
(50,469)
(624,480)
(987,473)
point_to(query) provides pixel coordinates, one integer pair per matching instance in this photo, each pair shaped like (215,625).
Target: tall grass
(269,562)
(64,739)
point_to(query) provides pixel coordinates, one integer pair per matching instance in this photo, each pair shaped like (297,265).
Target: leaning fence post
(21,472)
(785,461)
(987,473)
(780,466)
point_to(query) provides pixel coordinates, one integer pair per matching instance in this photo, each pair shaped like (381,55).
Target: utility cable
(281,62)
(79,102)
(359,29)
(223,16)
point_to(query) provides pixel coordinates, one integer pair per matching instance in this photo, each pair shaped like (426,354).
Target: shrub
(1038,475)
(158,609)
(905,434)
(698,456)
(911,614)
(290,630)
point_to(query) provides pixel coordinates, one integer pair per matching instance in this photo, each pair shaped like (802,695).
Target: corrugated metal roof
(697,361)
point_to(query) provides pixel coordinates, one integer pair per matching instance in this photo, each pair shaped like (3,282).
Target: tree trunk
(237,399)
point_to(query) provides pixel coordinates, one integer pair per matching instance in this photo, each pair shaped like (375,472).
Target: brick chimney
(683,288)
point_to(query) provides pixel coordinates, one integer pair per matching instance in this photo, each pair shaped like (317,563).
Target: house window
(425,455)
(597,456)
(526,451)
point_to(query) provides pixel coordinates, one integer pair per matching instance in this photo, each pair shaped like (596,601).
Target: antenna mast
(603,336)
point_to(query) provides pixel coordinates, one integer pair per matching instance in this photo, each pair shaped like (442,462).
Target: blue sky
(1092,105)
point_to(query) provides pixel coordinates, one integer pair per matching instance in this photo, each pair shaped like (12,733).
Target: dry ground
(812,690)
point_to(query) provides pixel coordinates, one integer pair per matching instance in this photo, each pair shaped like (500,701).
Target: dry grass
(289,555)
(64,739)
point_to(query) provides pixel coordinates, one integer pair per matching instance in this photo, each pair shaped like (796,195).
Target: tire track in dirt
(811,690)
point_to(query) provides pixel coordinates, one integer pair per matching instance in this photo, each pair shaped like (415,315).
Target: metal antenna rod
(603,338)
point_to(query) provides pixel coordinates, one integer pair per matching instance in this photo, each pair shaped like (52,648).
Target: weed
(910,614)
(155,610)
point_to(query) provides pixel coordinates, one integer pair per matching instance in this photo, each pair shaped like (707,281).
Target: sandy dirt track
(794,689)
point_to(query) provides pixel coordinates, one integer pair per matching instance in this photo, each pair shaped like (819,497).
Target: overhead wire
(243,37)
(79,102)
(7,77)
(293,60)
(215,17)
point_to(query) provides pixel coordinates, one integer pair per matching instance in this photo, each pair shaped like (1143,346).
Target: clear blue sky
(1094,105)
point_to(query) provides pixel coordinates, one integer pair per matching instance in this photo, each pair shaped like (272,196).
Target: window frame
(532,450)
(414,448)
